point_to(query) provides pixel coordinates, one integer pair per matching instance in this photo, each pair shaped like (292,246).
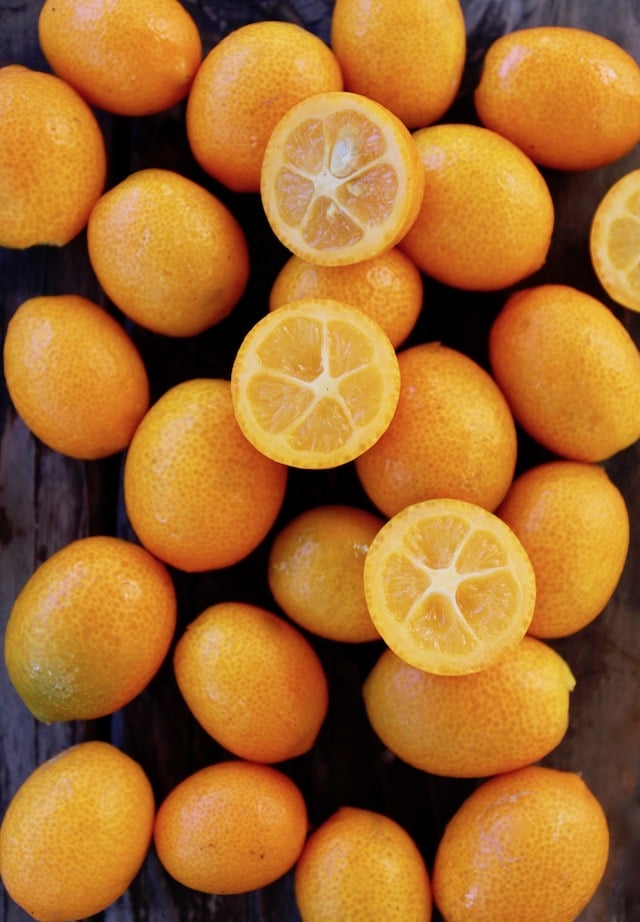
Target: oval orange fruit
(168,252)
(501,718)
(567,97)
(76,832)
(89,629)
(487,214)
(388,287)
(574,524)
(551,342)
(408,56)
(126,58)
(315,570)
(341,179)
(231,827)
(253,681)
(198,495)
(545,826)
(53,161)
(449,586)
(65,360)
(361,865)
(452,434)
(244,86)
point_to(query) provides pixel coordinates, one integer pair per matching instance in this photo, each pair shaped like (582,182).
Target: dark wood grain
(47,500)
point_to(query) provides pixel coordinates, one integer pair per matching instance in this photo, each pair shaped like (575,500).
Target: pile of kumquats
(463,567)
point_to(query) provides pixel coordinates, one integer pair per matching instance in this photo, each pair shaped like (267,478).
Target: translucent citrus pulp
(315,383)
(615,241)
(341,179)
(449,586)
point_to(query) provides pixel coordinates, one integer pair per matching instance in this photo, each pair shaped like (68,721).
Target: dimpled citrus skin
(231,827)
(74,375)
(199,496)
(315,571)
(360,865)
(550,343)
(76,832)
(487,214)
(504,717)
(253,681)
(574,524)
(452,435)
(127,58)
(52,159)
(388,287)
(409,56)
(530,839)
(89,629)
(568,97)
(244,86)
(168,252)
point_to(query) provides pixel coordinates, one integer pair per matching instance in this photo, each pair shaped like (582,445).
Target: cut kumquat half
(614,241)
(341,179)
(315,383)
(449,586)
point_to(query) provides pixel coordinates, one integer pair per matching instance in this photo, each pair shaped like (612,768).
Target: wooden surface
(47,500)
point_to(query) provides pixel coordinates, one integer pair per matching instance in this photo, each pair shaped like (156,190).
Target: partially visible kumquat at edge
(569,98)
(614,241)
(53,161)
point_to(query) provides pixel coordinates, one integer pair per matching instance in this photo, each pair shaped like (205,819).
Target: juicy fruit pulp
(449,586)
(341,179)
(614,241)
(315,383)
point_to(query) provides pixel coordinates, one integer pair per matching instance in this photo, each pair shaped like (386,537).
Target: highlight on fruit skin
(508,715)
(74,375)
(76,832)
(89,629)
(53,159)
(529,839)
(568,97)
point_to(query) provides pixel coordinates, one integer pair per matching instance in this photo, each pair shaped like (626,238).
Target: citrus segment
(614,241)
(315,383)
(341,179)
(449,586)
